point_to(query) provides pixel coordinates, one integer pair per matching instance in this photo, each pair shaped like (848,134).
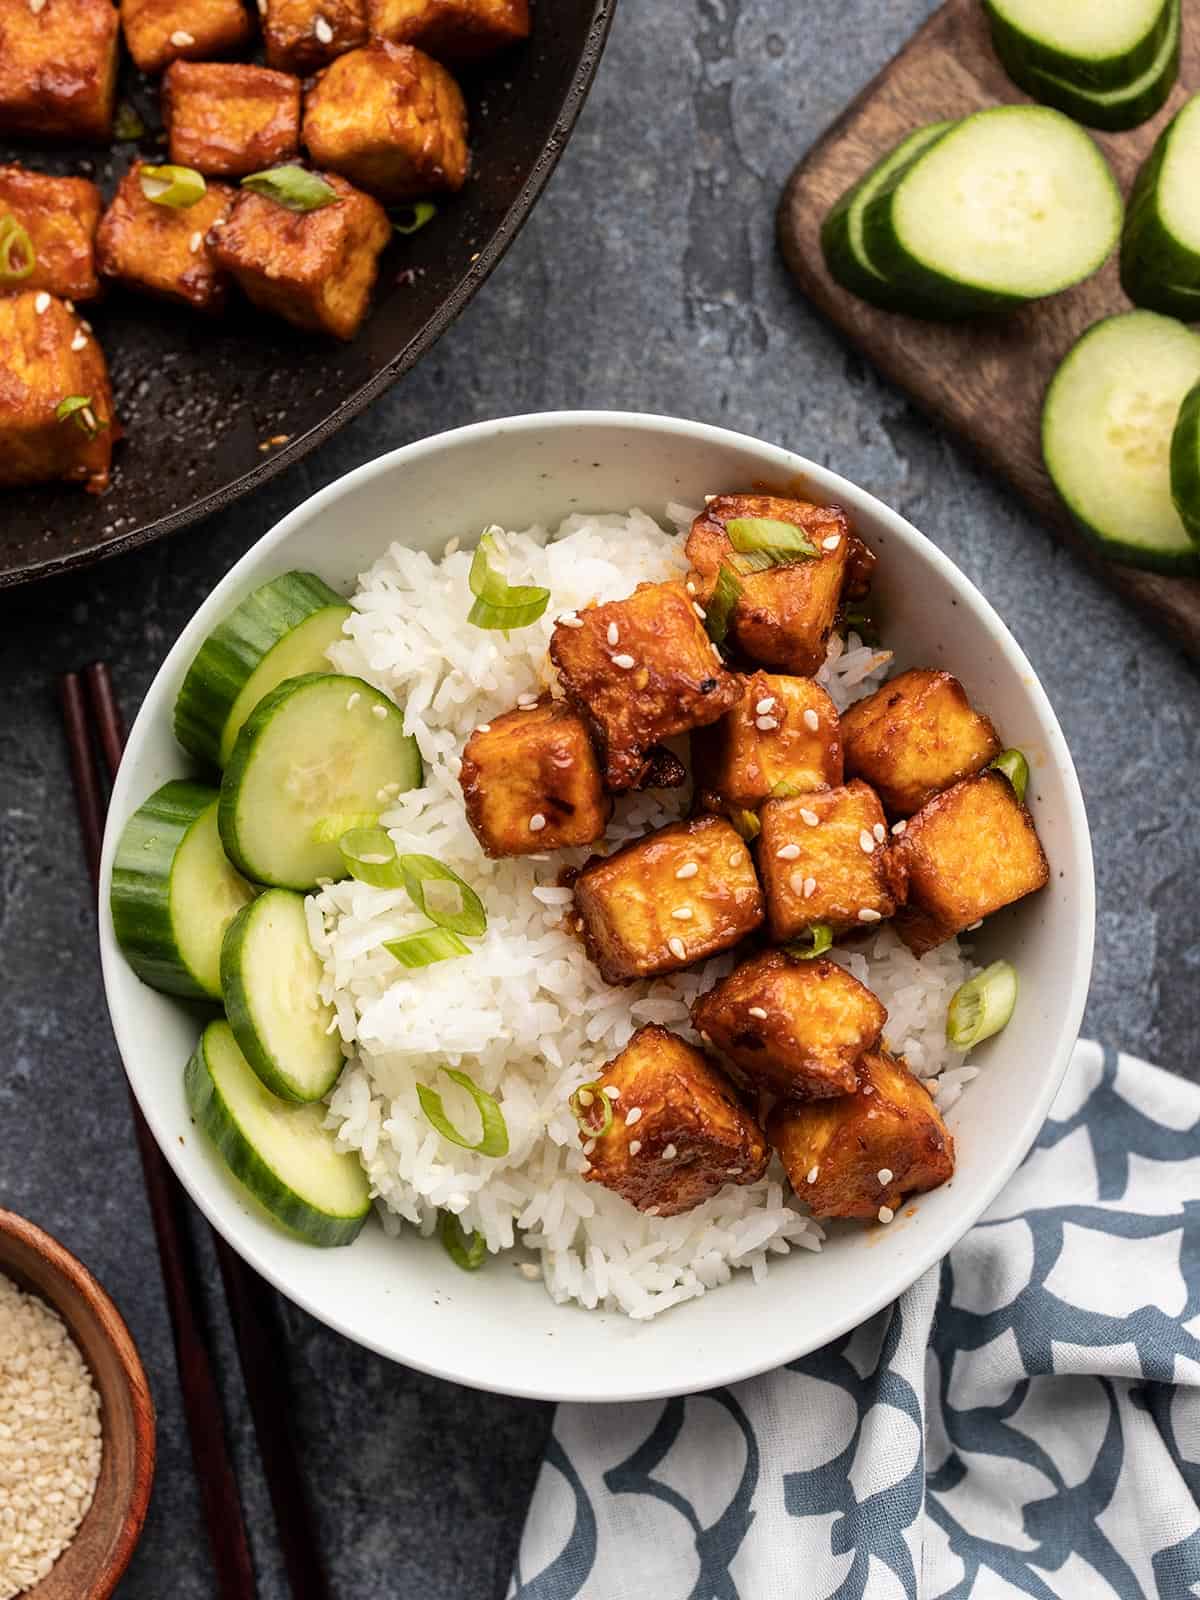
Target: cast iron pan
(199,397)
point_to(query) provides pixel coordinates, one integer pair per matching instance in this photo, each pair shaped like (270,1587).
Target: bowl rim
(69,1267)
(776,457)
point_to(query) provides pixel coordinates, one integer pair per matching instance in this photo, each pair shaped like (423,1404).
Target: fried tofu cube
(60,216)
(967,853)
(858,1155)
(304,35)
(58,69)
(915,736)
(315,269)
(165,250)
(641,670)
(451,30)
(796,1028)
(531,782)
(161,31)
(782,737)
(785,614)
(679,1131)
(228,119)
(392,120)
(47,357)
(674,897)
(826,858)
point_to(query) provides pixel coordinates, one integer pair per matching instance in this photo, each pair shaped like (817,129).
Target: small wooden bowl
(94,1561)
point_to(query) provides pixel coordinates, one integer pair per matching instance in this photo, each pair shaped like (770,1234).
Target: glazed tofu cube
(679,1131)
(391,119)
(164,250)
(228,119)
(47,357)
(796,1028)
(316,269)
(826,858)
(303,35)
(781,738)
(60,216)
(968,852)
(641,670)
(915,736)
(58,68)
(451,30)
(786,614)
(860,1154)
(674,897)
(531,782)
(161,31)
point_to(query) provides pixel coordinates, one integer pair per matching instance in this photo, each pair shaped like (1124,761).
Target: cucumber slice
(284,1155)
(280,631)
(842,230)
(270,978)
(1106,436)
(174,893)
(1160,247)
(1010,205)
(1185,464)
(317,746)
(1115,110)
(1095,46)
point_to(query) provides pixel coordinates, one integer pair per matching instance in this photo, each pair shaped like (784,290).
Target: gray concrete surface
(647,279)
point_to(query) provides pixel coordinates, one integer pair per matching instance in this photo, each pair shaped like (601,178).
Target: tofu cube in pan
(161,31)
(228,119)
(786,613)
(858,1155)
(60,215)
(316,269)
(665,901)
(165,250)
(679,1130)
(392,120)
(451,30)
(967,853)
(531,782)
(827,858)
(304,35)
(796,1028)
(46,357)
(916,735)
(58,69)
(641,670)
(783,734)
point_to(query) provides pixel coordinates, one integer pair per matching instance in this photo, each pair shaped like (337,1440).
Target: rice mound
(526,1014)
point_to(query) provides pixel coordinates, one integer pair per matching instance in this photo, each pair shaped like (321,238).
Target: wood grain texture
(982,379)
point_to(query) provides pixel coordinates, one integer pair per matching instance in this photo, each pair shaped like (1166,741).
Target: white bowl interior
(493,1329)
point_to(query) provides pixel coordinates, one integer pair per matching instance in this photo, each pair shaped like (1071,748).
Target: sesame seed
(867,915)
(796,882)
(899,827)
(634,1146)
(707,1037)
(733,1172)
(812,1174)
(353,700)
(884,1175)
(37,7)
(880,832)
(625,662)
(262,8)
(589,1147)
(677,948)
(195,241)
(570,621)
(866,842)
(323,31)
(971,926)
(79,342)
(767,703)
(811,720)
(527,699)
(537,822)
(530,705)
(832,542)
(612,1091)
(484,727)
(765,724)
(682,913)
(689,869)
(868,1088)
(886,1213)
(585,1097)
(757,1011)
(89,419)
(651,1211)
(699,610)
(634,1114)
(735,858)
(614,633)
(41,303)
(379,712)
(691,587)
(716,651)
(181,39)
(809,888)
(669,1153)
(808,816)
(788,852)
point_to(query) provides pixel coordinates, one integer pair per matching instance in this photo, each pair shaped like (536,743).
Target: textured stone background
(647,279)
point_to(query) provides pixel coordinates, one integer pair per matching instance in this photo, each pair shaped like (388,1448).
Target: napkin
(1025,1420)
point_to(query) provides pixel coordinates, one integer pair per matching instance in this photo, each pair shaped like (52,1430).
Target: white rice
(527,1015)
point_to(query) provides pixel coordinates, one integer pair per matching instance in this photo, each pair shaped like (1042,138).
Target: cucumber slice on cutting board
(1185,464)
(174,893)
(280,631)
(1160,247)
(1114,110)
(316,747)
(1107,426)
(842,231)
(283,1154)
(270,982)
(1094,44)
(1011,204)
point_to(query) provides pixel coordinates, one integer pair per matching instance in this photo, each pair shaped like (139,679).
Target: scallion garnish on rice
(17,255)
(982,1006)
(592,1110)
(428,945)
(762,542)
(470,919)
(466,1250)
(493,1140)
(177,187)
(1013,765)
(721,604)
(821,935)
(499,604)
(331,830)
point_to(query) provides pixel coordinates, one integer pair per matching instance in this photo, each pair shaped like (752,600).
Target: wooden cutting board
(983,379)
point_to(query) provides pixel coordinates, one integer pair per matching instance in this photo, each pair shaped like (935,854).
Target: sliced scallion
(762,542)
(821,935)
(77,408)
(982,1006)
(423,948)
(1013,765)
(470,919)
(331,829)
(718,612)
(499,604)
(177,187)
(592,1110)
(493,1139)
(294,188)
(746,823)
(418,214)
(466,1250)
(783,790)
(17,255)
(127,124)
(370,856)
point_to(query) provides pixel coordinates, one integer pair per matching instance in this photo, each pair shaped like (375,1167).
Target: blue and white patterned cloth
(1025,1420)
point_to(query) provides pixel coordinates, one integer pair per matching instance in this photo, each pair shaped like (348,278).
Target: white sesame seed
(624,662)
(971,926)
(832,542)
(677,948)
(262,8)
(691,587)
(379,712)
(808,816)
(886,1213)
(41,303)
(589,1147)
(570,621)
(716,651)
(866,842)
(689,869)
(868,1089)
(880,832)
(811,720)
(767,703)
(527,699)
(530,705)
(195,241)
(899,827)
(812,1174)
(809,889)
(765,724)
(323,31)
(757,1011)
(181,39)
(884,1175)
(634,1146)
(88,417)
(669,1153)
(634,1114)
(796,882)
(788,852)
(651,1211)
(79,342)
(614,633)
(735,858)
(484,727)
(682,913)
(707,1037)
(537,822)
(612,1091)
(37,7)
(699,610)
(733,1172)
(867,915)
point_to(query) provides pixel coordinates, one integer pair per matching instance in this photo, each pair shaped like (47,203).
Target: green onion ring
(1013,765)
(293,187)
(423,948)
(497,603)
(177,187)
(422,211)
(369,855)
(127,125)
(470,919)
(746,823)
(982,1006)
(331,830)
(586,1110)
(77,408)
(722,603)
(783,790)
(466,1250)
(822,940)
(779,542)
(17,255)
(493,1141)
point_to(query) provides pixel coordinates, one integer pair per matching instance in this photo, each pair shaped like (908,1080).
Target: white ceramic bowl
(493,1329)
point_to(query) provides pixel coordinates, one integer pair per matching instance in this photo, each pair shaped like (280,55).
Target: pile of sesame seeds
(50,1442)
